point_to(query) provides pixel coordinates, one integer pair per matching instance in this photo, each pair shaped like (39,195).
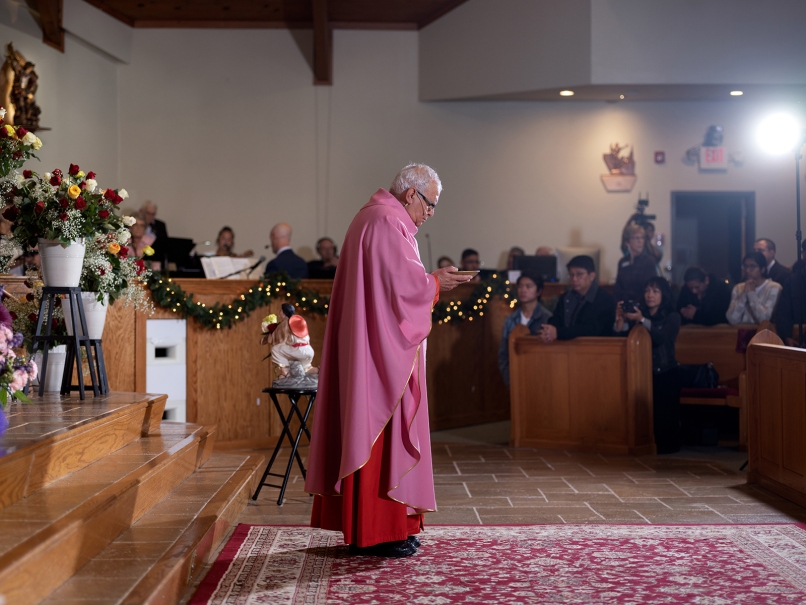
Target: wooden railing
(591,394)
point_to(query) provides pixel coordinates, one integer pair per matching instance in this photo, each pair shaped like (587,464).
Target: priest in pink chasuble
(369,465)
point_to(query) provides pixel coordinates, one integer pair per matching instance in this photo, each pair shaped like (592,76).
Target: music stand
(177,251)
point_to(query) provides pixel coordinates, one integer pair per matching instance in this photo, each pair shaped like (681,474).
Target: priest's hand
(448,279)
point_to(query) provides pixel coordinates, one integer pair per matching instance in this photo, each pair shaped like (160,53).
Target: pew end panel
(586,394)
(776,377)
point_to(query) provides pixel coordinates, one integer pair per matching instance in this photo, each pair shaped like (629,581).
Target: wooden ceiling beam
(322,45)
(50,20)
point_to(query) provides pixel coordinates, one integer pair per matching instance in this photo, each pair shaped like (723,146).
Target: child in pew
(656,313)
(529,313)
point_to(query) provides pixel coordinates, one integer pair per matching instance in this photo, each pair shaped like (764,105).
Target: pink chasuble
(373,361)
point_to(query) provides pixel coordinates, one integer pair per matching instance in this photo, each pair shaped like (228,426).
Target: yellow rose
(113,248)
(12,134)
(270,319)
(148,251)
(73,192)
(80,174)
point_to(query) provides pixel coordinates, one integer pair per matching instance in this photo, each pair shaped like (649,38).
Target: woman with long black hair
(656,313)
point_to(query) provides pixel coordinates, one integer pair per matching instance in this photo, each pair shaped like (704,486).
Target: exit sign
(713,158)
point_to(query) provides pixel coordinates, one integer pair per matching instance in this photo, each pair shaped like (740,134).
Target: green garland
(169,295)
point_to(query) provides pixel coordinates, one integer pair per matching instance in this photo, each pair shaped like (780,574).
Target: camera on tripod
(640,217)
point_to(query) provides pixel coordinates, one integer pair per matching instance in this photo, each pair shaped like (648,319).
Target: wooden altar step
(104,475)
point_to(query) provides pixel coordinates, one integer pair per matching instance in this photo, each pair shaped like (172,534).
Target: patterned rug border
(210,583)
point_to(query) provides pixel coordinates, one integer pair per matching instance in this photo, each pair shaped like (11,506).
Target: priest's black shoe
(414,541)
(394,550)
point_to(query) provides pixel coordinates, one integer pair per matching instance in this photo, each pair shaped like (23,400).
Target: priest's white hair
(418,176)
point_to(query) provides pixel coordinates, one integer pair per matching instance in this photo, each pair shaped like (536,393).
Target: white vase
(94,313)
(61,265)
(53,377)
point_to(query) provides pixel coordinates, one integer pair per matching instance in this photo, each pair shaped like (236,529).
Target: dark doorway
(712,229)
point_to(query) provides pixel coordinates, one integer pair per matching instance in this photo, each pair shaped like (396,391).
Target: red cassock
(369,464)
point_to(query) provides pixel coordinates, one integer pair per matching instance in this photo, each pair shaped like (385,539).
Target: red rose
(117,200)
(64,203)
(29,297)
(54,323)
(124,252)
(27,173)
(39,207)
(103,213)
(141,266)
(83,185)
(55,180)
(16,155)
(11,213)
(80,203)
(21,132)
(110,194)
(57,172)
(3,133)
(63,216)
(33,316)
(90,175)
(13,316)
(74,169)
(101,272)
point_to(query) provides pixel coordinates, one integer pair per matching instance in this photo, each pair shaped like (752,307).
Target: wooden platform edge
(168,580)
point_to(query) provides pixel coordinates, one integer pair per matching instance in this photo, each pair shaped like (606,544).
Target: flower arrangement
(61,207)
(24,314)
(15,371)
(16,146)
(110,270)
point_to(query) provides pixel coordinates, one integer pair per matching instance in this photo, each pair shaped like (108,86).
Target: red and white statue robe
(370,456)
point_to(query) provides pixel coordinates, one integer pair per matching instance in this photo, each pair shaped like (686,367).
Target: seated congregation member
(636,267)
(513,252)
(470,262)
(285,260)
(444,261)
(704,299)
(775,270)
(225,243)
(754,299)
(325,267)
(141,239)
(585,310)
(530,313)
(656,313)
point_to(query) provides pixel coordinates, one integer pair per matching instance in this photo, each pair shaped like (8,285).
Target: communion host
(369,465)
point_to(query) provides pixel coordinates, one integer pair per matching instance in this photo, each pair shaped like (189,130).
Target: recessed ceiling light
(621,96)
(736,93)
(566,93)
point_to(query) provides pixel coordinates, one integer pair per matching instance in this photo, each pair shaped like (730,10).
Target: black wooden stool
(97,367)
(294,396)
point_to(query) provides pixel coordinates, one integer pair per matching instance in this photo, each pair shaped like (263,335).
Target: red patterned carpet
(624,564)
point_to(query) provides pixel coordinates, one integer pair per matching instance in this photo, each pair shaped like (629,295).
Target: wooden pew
(776,382)
(588,394)
(717,345)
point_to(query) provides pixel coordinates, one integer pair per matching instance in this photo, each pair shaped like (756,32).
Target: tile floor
(479,480)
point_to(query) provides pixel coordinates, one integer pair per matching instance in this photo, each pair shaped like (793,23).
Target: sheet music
(216,267)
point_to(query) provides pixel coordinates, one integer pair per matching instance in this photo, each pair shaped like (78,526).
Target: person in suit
(775,270)
(156,231)
(585,310)
(285,260)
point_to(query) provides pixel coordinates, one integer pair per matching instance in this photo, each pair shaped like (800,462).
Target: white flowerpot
(53,377)
(61,265)
(94,313)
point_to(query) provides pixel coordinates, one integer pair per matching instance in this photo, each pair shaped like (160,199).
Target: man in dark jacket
(775,270)
(585,310)
(704,299)
(285,260)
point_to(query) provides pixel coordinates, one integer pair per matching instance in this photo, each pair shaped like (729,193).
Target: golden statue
(18,85)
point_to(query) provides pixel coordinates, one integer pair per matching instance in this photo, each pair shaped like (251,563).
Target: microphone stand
(248,269)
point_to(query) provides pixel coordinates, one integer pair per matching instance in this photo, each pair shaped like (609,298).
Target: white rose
(37,145)
(19,178)
(124,236)
(129,221)
(29,138)
(91,185)
(47,176)
(2,112)
(123,193)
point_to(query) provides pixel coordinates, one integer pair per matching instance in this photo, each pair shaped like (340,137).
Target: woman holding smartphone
(656,313)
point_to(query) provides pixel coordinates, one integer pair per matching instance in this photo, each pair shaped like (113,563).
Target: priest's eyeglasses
(432,206)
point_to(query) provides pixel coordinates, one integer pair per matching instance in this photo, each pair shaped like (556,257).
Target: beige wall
(217,138)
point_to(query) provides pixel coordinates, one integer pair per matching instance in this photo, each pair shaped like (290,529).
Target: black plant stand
(294,396)
(97,367)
